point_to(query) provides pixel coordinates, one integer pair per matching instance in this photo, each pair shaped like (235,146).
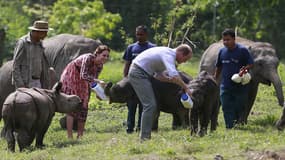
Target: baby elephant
(27,114)
(205,103)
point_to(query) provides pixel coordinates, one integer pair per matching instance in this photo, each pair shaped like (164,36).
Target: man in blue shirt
(233,58)
(132,51)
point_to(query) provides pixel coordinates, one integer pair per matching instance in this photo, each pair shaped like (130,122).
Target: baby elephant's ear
(57,87)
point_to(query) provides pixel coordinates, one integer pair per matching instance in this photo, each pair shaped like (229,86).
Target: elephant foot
(202,133)
(193,132)
(11,147)
(242,122)
(280,125)
(154,129)
(40,146)
(174,127)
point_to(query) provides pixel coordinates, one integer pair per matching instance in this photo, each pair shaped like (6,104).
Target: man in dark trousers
(132,51)
(233,58)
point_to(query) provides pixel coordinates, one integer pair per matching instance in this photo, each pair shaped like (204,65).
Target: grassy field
(105,137)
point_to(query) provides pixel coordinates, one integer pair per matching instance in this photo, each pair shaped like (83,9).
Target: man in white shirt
(157,62)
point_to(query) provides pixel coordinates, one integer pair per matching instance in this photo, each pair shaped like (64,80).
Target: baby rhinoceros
(27,114)
(205,96)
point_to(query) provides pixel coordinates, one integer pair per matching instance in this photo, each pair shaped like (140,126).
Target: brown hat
(40,26)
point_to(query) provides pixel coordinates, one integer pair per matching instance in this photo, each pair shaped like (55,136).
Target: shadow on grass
(68,143)
(268,120)
(259,125)
(167,129)
(105,129)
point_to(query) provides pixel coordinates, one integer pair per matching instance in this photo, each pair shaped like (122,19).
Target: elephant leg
(214,115)
(193,121)
(183,118)
(175,121)
(204,119)
(281,122)
(253,88)
(155,121)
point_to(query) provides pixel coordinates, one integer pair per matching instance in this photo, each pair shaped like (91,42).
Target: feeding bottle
(97,88)
(186,101)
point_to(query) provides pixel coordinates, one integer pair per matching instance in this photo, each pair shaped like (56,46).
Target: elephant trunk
(108,88)
(276,81)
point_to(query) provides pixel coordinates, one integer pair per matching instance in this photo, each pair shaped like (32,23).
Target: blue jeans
(233,103)
(132,108)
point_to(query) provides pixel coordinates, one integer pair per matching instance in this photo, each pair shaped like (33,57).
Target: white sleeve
(169,63)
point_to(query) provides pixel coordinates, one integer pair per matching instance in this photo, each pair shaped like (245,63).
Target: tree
(13,24)
(88,18)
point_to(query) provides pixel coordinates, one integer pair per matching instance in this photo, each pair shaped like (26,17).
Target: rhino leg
(24,139)
(40,135)
(7,131)
(10,139)
(11,143)
(39,140)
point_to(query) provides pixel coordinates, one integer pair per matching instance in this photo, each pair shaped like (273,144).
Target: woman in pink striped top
(76,79)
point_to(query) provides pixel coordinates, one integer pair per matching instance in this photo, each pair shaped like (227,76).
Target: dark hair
(229,32)
(101,48)
(142,27)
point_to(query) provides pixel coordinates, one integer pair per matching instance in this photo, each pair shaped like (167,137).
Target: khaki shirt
(28,59)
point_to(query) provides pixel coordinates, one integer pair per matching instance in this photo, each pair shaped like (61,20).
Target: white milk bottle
(186,101)
(97,88)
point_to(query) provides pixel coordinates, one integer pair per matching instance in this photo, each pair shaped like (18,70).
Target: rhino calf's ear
(57,86)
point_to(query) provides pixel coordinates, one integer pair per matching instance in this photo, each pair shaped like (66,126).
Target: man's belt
(34,77)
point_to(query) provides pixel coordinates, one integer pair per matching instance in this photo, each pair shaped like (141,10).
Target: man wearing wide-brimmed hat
(29,57)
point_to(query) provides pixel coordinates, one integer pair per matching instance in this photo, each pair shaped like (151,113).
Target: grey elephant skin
(63,48)
(205,97)
(167,96)
(28,112)
(264,70)
(280,124)
(59,51)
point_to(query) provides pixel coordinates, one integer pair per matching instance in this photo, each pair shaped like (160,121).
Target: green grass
(105,136)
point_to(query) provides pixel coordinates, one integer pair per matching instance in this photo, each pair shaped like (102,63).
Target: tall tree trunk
(2,44)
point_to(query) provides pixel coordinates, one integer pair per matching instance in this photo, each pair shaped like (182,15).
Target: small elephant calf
(205,96)
(27,114)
